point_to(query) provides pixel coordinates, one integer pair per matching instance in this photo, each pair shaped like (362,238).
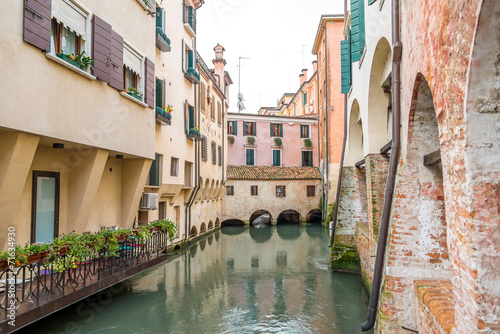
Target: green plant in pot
(230,139)
(84,61)
(166,225)
(308,142)
(278,142)
(251,140)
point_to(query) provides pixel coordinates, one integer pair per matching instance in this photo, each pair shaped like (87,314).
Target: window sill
(152,187)
(276,146)
(58,60)
(306,148)
(133,99)
(250,145)
(186,187)
(149,9)
(189,29)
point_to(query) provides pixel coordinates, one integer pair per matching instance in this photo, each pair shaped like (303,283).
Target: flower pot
(66,58)
(137,96)
(3,264)
(34,258)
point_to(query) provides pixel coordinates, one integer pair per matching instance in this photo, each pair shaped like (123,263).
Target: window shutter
(116,65)
(159,17)
(276,158)
(37,26)
(345,63)
(235,127)
(271,129)
(281,130)
(204,148)
(371,2)
(357,29)
(250,157)
(150,83)
(254,127)
(101,49)
(244,128)
(190,59)
(183,49)
(159,93)
(191,117)
(186,117)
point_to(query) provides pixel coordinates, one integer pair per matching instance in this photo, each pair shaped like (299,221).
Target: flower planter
(67,59)
(34,258)
(162,117)
(3,264)
(162,41)
(137,96)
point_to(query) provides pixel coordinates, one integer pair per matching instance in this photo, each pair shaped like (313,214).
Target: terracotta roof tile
(272,173)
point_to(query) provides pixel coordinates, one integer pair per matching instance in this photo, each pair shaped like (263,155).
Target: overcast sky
(277,35)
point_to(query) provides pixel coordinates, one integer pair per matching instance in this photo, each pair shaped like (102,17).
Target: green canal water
(237,280)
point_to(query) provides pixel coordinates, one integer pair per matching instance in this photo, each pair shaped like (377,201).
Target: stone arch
(289,217)
(482,119)
(233,222)
(257,213)
(206,189)
(199,195)
(429,210)
(378,125)
(210,225)
(314,217)
(215,193)
(211,190)
(355,152)
(203,228)
(217,222)
(193,232)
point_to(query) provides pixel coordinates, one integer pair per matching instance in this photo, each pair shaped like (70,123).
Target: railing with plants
(37,272)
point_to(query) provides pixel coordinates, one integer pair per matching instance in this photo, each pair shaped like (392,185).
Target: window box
(137,96)
(162,117)
(162,41)
(195,134)
(192,76)
(68,59)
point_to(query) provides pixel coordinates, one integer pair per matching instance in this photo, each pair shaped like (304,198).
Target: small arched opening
(217,222)
(203,228)
(355,150)
(233,222)
(314,217)
(210,225)
(193,232)
(259,213)
(289,217)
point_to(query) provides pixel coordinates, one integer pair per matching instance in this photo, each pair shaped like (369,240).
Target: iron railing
(32,285)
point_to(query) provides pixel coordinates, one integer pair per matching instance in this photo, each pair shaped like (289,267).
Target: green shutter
(345,63)
(186,118)
(244,128)
(357,29)
(183,49)
(276,158)
(371,2)
(159,93)
(271,129)
(159,17)
(191,117)
(250,157)
(154,172)
(190,59)
(304,98)
(235,127)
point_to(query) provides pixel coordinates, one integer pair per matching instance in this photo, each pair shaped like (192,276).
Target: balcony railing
(31,289)
(190,18)
(162,41)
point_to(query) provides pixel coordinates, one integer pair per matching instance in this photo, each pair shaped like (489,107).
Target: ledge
(435,299)
(58,60)
(133,99)
(190,30)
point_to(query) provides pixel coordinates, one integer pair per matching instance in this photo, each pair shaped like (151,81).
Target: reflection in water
(233,230)
(238,284)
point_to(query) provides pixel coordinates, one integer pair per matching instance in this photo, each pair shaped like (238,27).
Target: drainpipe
(341,167)
(391,178)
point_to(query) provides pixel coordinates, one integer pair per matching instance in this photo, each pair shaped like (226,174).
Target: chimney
(315,65)
(303,76)
(219,63)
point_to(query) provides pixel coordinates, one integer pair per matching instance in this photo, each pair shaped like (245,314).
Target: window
(304,98)
(276,130)
(188,167)
(160,18)
(304,131)
(203,97)
(212,110)
(63,40)
(160,94)
(249,129)
(190,17)
(230,190)
(162,210)
(311,191)
(219,149)
(357,29)
(280,191)
(68,31)
(307,158)
(254,190)
(232,128)
(214,153)
(250,156)
(189,117)
(174,167)
(154,178)
(219,113)
(132,69)
(204,148)
(276,157)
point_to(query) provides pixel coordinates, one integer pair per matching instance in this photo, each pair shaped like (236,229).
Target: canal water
(237,280)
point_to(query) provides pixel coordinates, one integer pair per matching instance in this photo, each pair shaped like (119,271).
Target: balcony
(42,286)
(162,41)
(194,134)
(162,117)
(190,20)
(192,76)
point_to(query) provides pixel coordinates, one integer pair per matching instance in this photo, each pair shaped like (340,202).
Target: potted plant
(132,91)
(4,260)
(37,251)
(308,142)
(84,62)
(278,142)
(251,140)
(70,58)
(230,139)
(165,225)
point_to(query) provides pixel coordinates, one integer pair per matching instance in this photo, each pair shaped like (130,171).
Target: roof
(272,173)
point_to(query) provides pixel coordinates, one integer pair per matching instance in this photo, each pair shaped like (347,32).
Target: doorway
(45,206)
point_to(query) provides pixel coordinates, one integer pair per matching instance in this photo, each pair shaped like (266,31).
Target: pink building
(263,140)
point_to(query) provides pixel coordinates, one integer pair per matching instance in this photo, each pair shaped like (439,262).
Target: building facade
(440,269)
(70,162)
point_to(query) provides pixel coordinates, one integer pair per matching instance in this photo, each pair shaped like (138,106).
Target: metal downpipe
(393,166)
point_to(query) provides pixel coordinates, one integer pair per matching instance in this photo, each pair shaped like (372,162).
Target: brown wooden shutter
(116,56)
(36,30)
(101,49)
(150,83)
